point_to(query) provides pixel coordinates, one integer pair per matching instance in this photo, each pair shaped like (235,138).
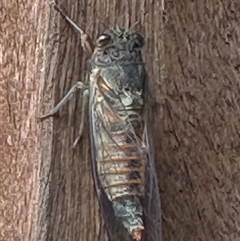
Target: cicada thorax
(117,88)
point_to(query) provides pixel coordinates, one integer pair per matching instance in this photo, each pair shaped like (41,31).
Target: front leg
(78,85)
(84,103)
(86,41)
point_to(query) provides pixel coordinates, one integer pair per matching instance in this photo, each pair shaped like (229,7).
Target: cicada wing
(113,225)
(142,143)
(152,204)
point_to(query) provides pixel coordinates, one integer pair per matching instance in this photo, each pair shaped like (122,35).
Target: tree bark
(21,38)
(193,60)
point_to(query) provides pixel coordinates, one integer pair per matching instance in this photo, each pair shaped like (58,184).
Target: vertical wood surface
(192,54)
(21,47)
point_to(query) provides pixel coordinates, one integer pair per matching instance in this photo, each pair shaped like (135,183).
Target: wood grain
(193,59)
(21,45)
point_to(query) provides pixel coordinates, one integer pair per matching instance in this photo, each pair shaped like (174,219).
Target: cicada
(122,150)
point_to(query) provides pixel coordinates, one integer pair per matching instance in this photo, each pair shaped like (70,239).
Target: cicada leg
(86,41)
(78,85)
(84,103)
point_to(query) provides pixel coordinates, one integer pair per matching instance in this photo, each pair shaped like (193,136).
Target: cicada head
(115,43)
(118,56)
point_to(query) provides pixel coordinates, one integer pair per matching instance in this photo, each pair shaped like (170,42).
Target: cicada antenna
(118,28)
(102,25)
(129,29)
(133,26)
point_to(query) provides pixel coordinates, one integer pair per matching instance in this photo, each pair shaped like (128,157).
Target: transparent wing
(112,224)
(151,200)
(152,204)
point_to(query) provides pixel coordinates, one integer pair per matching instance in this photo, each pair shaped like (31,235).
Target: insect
(122,151)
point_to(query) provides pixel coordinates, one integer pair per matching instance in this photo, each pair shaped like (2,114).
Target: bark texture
(192,55)
(21,43)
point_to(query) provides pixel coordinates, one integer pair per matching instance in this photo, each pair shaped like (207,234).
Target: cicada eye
(137,41)
(103,40)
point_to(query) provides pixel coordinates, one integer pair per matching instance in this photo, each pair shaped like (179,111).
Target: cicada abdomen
(121,144)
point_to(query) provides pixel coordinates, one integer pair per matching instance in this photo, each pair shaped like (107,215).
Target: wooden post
(192,56)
